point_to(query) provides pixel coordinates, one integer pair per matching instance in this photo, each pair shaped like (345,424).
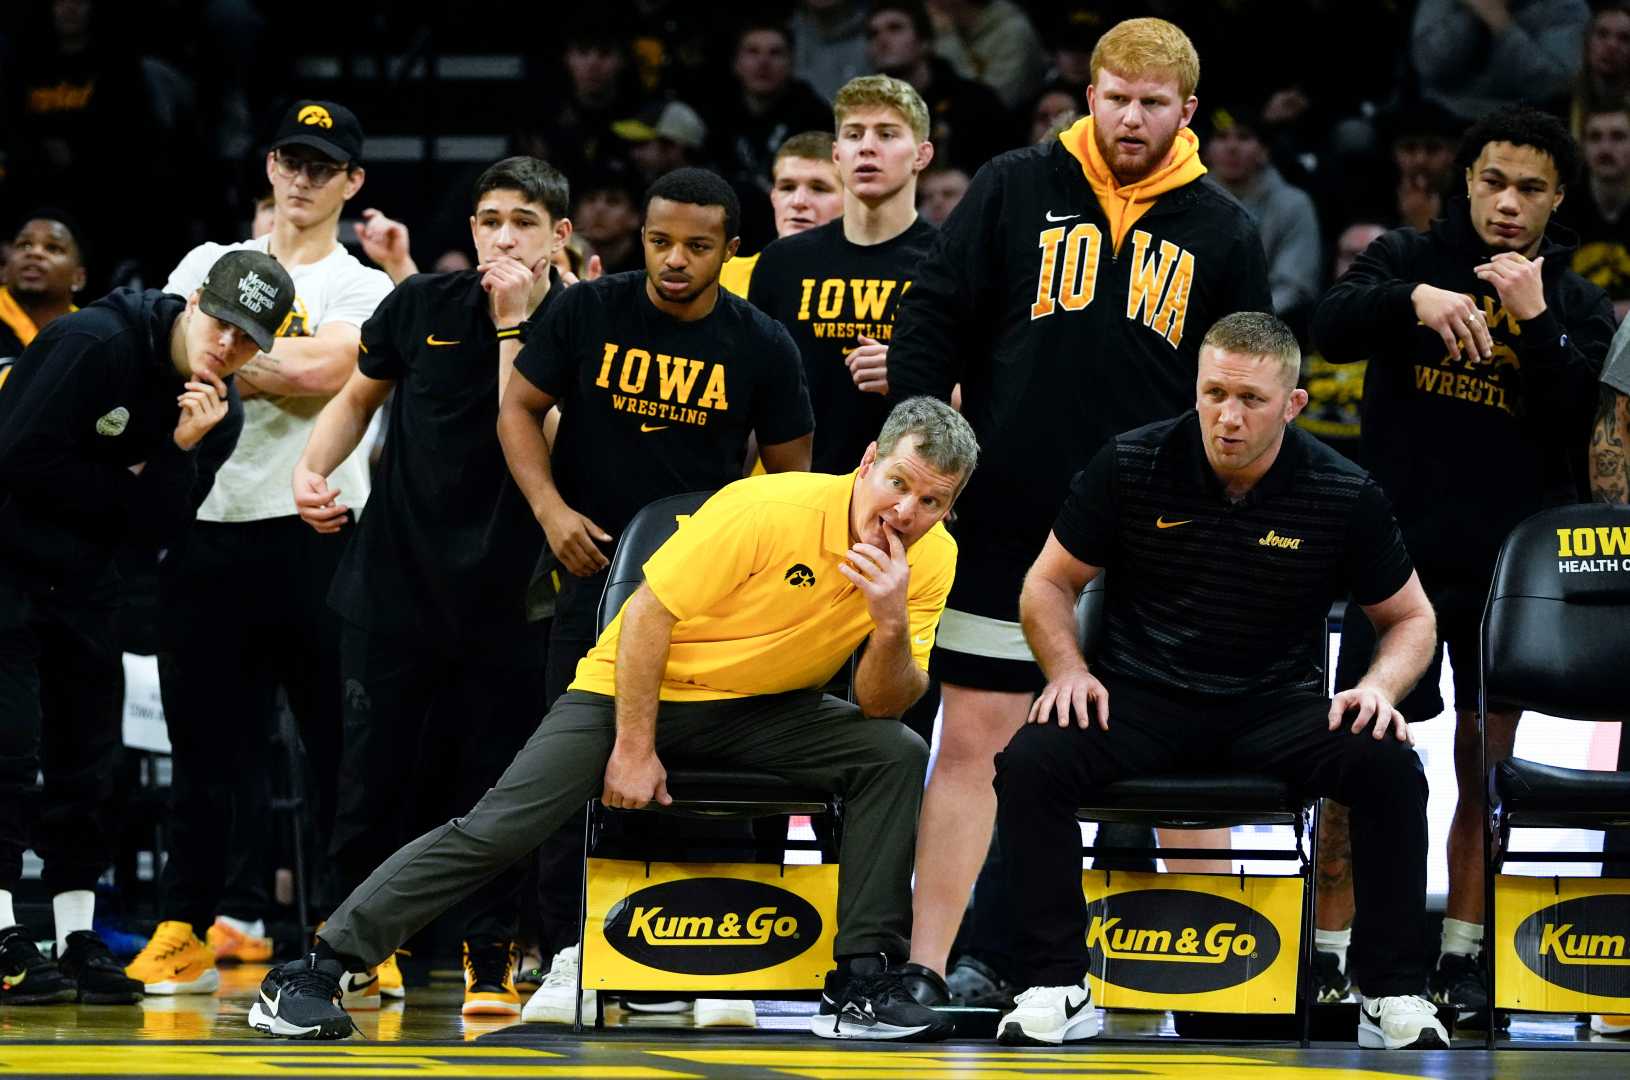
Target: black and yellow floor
(426,1036)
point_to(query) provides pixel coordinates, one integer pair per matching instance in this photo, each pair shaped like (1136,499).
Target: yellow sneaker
(390,979)
(175,962)
(1610,1025)
(233,946)
(489,980)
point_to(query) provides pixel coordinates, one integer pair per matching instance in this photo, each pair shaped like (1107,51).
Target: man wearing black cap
(219,680)
(112,426)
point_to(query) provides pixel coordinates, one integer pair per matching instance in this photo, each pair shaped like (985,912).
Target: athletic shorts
(1459,608)
(980,643)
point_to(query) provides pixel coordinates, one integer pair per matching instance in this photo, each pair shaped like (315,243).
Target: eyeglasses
(318,172)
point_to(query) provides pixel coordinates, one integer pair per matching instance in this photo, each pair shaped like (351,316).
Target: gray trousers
(811,739)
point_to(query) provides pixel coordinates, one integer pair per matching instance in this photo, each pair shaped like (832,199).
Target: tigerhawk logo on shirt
(800,576)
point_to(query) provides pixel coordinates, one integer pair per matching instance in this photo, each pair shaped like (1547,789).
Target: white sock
(1334,941)
(252,929)
(7,916)
(1462,938)
(74,911)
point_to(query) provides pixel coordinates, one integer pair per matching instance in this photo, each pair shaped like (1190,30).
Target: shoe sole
(491,1008)
(824,1027)
(1370,1038)
(1083,1027)
(264,1022)
(207,983)
(367,1003)
(52,997)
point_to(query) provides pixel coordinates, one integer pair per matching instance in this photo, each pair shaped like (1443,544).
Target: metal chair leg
(296,807)
(1304,983)
(583,924)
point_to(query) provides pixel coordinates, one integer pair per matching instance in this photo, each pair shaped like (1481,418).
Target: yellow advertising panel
(1564,944)
(709,926)
(1193,942)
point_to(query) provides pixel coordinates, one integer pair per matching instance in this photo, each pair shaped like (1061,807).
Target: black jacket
(1045,391)
(1467,449)
(94,394)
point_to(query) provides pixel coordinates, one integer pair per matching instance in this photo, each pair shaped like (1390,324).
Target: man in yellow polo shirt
(746,612)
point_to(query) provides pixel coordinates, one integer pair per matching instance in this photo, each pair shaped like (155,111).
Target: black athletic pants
(243,610)
(1046,771)
(61,707)
(429,727)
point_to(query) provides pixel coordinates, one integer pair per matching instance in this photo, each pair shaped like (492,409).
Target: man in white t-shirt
(219,675)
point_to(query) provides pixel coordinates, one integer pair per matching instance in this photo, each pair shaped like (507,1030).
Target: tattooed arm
(1609,465)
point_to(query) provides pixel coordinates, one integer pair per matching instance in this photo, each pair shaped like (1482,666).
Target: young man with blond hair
(1067,294)
(805,193)
(837,287)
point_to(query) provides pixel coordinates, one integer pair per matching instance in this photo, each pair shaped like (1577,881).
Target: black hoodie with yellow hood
(1070,309)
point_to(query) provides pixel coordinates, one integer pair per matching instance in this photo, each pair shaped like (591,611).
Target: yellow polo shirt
(737,274)
(753,578)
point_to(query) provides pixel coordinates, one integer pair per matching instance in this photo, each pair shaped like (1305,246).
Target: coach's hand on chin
(634,778)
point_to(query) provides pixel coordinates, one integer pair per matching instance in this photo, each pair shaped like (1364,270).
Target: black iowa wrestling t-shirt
(652,406)
(829,292)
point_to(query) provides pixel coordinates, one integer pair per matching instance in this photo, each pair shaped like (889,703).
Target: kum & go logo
(1580,944)
(712,926)
(1169,941)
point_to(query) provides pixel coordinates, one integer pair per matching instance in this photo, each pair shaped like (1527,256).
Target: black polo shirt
(652,406)
(447,543)
(1221,598)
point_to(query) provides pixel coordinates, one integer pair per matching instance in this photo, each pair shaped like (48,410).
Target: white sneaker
(555,1001)
(1405,1022)
(1049,1016)
(725,1012)
(1610,1025)
(359,990)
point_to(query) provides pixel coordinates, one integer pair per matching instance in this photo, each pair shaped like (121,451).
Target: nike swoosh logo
(919,641)
(431,340)
(16,980)
(181,968)
(1061,217)
(1072,1011)
(1162,523)
(653,427)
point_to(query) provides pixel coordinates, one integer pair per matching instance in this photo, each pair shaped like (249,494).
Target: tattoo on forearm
(1335,847)
(1609,461)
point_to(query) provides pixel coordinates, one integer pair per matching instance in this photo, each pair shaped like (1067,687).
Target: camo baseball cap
(250,290)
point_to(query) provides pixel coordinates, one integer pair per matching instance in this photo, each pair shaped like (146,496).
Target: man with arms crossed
(720,656)
(1067,294)
(1187,514)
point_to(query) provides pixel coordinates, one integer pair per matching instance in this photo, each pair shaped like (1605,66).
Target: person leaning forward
(720,656)
(1227,535)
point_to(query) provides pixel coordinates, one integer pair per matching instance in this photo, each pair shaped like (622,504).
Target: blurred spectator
(764,106)
(992,41)
(1284,215)
(938,191)
(664,136)
(807,192)
(45,267)
(1474,55)
(1420,140)
(670,47)
(1606,75)
(452,261)
(1595,208)
(608,216)
(969,124)
(1335,392)
(1056,108)
(574,132)
(1069,41)
(265,214)
(829,43)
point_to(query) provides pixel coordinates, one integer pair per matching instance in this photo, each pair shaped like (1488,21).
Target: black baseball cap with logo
(250,290)
(330,129)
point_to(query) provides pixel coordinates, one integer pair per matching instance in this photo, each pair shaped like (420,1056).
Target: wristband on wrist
(506,332)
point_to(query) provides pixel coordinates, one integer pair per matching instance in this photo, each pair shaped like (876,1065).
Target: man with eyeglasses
(219,677)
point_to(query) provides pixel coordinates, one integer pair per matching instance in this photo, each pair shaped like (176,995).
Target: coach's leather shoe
(175,962)
(925,984)
(301,1000)
(1051,1016)
(974,984)
(1405,1022)
(865,999)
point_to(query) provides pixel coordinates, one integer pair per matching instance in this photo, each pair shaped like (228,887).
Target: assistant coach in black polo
(1228,534)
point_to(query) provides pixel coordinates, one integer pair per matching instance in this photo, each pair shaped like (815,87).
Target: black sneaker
(924,984)
(863,999)
(26,976)
(301,1000)
(101,979)
(1458,981)
(974,984)
(1330,984)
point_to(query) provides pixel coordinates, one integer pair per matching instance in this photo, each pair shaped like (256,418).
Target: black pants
(243,610)
(1046,771)
(61,708)
(427,728)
